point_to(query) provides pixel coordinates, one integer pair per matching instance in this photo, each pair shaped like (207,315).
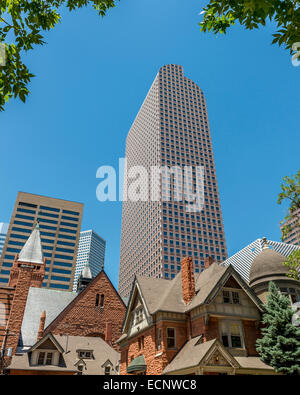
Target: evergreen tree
(280,345)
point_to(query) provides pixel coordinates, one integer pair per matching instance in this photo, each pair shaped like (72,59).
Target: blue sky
(91,79)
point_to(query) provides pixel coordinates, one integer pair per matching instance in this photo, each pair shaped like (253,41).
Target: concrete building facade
(59,223)
(172,130)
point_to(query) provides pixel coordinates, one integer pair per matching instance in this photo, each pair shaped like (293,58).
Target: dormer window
(45,358)
(85,354)
(80,369)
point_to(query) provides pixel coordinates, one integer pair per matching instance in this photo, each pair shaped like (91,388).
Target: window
(231,297)
(102,301)
(226,297)
(139,316)
(231,334)
(41,358)
(159,339)
(171,341)
(80,369)
(85,354)
(235,298)
(45,358)
(141,342)
(49,358)
(107,370)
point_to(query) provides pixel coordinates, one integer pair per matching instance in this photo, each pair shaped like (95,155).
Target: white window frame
(226,324)
(46,352)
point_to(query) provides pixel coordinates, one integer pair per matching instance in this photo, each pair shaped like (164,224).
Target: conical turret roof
(32,249)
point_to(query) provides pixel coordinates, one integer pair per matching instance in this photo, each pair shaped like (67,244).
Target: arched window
(97,300)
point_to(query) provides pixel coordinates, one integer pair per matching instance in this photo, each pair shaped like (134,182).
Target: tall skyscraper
(171,129)
(91,250)
(3,232)
(59,223)
(293,226)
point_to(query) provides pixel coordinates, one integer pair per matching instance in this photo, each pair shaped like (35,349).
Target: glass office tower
(91,250)
(171,129)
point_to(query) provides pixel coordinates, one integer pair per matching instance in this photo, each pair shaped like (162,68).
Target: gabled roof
(32,249)
(212,279)
(45,338)
(38,300)
(193,353)
(80,295)
(166,295)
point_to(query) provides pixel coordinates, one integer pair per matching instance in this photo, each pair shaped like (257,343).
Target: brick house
(28,311)
(192,325)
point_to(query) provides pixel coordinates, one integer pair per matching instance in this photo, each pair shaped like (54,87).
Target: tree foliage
(279,346)
(219,15)
(22,23)
(290,192)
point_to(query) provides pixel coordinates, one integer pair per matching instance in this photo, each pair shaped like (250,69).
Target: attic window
(231,297)
(85,354)
(139,316)
(45,358)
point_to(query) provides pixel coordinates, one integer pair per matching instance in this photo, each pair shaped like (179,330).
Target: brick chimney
(208,261)
(187,279)
(42,326)
(108,330)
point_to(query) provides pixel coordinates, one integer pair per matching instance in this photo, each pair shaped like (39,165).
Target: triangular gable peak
(107,363)
(232,279)
(47,342)
(217,355)
(80,362)
(137,314)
